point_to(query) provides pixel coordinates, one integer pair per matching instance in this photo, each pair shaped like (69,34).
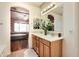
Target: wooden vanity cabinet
(35,44)
(41,50)
(46,48)
(38,44)
(56,48)
(46,51)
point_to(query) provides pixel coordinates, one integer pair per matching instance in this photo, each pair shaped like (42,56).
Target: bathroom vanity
(47,45)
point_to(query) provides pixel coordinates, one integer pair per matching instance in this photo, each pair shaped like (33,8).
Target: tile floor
(24,53)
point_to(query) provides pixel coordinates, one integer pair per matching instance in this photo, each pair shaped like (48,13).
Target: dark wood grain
(18,45)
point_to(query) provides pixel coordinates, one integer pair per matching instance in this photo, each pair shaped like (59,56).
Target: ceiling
(58,10)
(37,3)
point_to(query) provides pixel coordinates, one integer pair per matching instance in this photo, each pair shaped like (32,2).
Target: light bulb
(51,5)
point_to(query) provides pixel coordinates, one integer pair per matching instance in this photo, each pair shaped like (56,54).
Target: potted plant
(50,26)
(47,26)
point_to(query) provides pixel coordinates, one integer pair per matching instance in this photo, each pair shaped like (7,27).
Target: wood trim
(50,50)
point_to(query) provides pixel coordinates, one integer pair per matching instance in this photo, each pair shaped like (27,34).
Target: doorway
(19,28)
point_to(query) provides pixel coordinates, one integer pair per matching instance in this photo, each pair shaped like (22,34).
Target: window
(20,27)
(16,27)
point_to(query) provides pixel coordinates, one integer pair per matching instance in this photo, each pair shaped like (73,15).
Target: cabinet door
(46,51)
(38,46)
(56,48)
(34,42)
(41,49)
(35,45)
(16,45)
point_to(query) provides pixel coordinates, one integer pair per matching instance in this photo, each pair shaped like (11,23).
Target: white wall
(5,19)
(5,27)
(77,26)
(70,42)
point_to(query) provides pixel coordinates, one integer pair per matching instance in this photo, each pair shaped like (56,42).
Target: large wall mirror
(55,16)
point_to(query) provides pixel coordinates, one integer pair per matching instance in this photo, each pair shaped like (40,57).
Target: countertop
(18,34)
(16,37)
(49,37)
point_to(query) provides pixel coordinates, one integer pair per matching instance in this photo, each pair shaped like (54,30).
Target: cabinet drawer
(56,43)
(41,40)
(46,42)
(38,39)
